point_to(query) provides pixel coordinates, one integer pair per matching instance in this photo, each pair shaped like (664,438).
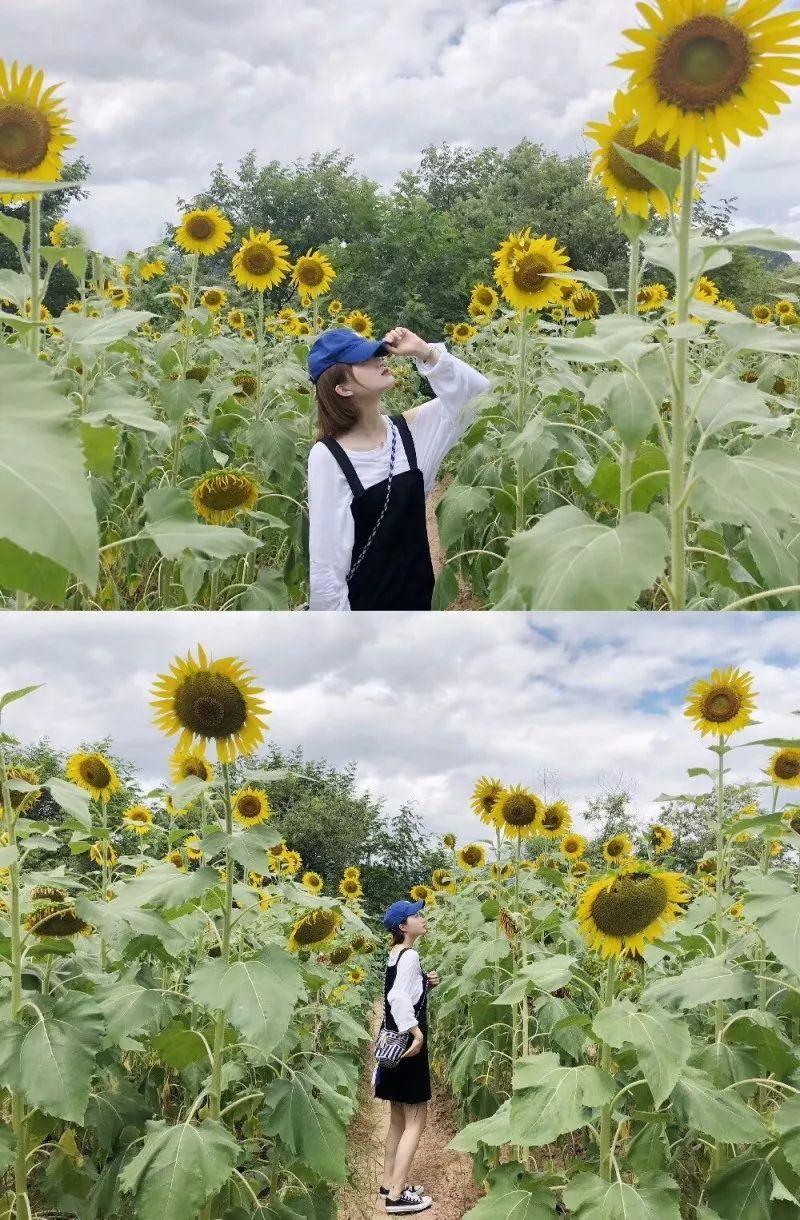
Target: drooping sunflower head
(175,858)
(723,703)
(350,888)
(519,812)
(33,127)
(736,910)
(250,807)
(94,773)
(313,882)
(661,838)
(625,911)
(361,323)
(100,851)
(203,231)
(471,855)
(119,296)
(21,802)
(58,919)
(313,275)
(580,868)
(762,314)
(707,866)
(191,766)
(651,297)
(139,819)
(706,72)
(220,495)
(449,841)
(555,820)
(573,846)
(214,299)
(422,893)
(442,880)
(784,767)
(484,799)
(358,943)
(179,296)
(246,384)
(261,262)
(340,954)
(617,848)
(313,930)
(204,701)
(524,264)
(501,871)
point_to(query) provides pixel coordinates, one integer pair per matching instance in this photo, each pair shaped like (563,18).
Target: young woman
(407,1085)
(370,474)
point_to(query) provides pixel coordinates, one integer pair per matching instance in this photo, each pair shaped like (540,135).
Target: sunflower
(248,334)
(736,910)
(153,270)
(422,893)
(313,275)
(214,299)
(203,231)
(220,495)
(784,768)
(98,851)
(361,323)
(704,72)
(356,976)
(191,845)
(728,305)
(442,880)
(94,773)
(119,297)
(463,332)
(350,888)
(57,920)
(33,128)
(617,848)
(500,872)
(139,819)
(484,799)
(573,846)
(204,700)
(249,807)
(624,911)
(661,838)
(449,841)
(313,883)
(519,811)
(313,930)
(261,262)
(236,319)
(175,858)
(58,233)
(335,307)
(580,868)
(706,291)
(291,863)
(555,820)
(707,867)
(523,266)
(762,314)
(246,384)
(628,189)
(339,955)
(186,766)
(722,703)
(21,802)
(352,870)
(484,299)
(792,817)
(471,855)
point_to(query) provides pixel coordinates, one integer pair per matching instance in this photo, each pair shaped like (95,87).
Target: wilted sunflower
(524,263)
(249,807)
(214,299)
(518,811)
(313,882)
(205,700)
(484,299)
(361,323)
(422,893)
(139,819)
(246,385)
(313,930)
(203,231)
(261,262)
(471,855)
(484,799)
(442,880)
(629,190)
(358,943)
(94,774)
(722,703)
(33,127)
(463,332)
(661,838)
(190,766)
(98,851)
(573,846)
(352,870)
(617,848)
(248,334)
(220,495)
(705,72)
(356,976)
(350,888)
(624,911)
(313,275)
(449,841)
(555,820)
(650,297)
(340,954)
(21,802)
(57,921)
(153,270)
(500,872)
(784,767)
(707,866)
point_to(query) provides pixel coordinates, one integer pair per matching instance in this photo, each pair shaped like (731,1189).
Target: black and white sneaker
(419,1190)
(408,1203)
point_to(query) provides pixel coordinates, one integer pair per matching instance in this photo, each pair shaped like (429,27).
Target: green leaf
(723,401)
(742,1190)
(172,526)
(616,337)
(760,239)
(711,979)
(110,401)
(570,562)
(723,1116)
(163,888)
(630,405)
(51,1059)
(13,229)
(447,589)
(494,1131)
(11,696)
(179,1169)
(114,1105)
(787,1123)
(306,1126)
(588,1197)
(753,337)
(45,503)
(456,506)
(43,579)
(74,258)
(268,593)
(178,1045)
(549,974)
(514,1204)
(662,1042)
(649,461)
(774,907)
(72,799)
(550,1100)
(88,336)
(258,996)
(665,178)
(764,479)
(7,1142)
(99,448)
(129,1009)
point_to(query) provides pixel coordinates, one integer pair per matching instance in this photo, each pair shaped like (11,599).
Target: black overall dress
(397,572)
(408,1081)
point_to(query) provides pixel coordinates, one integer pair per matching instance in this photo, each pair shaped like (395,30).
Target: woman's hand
(403,342)
(418,1041)
(433,978)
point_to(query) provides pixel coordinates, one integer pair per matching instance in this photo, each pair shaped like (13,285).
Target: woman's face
(415,925)
(371,376)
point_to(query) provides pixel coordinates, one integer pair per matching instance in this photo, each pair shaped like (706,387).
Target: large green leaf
(751,337)
(114,1105)
(51,1057)
(550,1100)
(549,974)
(494,1131)
(32,574)
(724,401)
(662,1042)
(257,996)
(88,336)
(711,979)
(774,908)
(73,800)
(131,1009)
(588,1197)
(514,1204)
(742,1190)
(765,479)
(164,889)
(630,403)
(110,401)
(306,1126)
(787,1124)
(45,503)
(723,1115)
(570,562)
(172,526)
(616,337)
(179,1169)
(457,505)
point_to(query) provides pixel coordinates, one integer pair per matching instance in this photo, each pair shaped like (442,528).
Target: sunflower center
(582,302)
(615,847)
(787,766)
(703,63)
(519,811)
(213,296)
(200,227)
(196,767)
(630,905)
(484,297)
(226,491)
(210,705)
(24,138)
(311,274)
(314,928)
(95,772)
(258,260)
(472,855)
(653,148)
(530,272)
(248,807)
(359,325)
(721,705)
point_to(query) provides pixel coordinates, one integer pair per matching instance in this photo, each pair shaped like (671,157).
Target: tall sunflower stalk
(215,1091)
(521,413)
(605,1066)
(35,212)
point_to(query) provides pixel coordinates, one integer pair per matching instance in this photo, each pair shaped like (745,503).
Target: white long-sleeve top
(406,991)
(436,426)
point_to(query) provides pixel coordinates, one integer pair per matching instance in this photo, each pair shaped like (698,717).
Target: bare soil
(466,599)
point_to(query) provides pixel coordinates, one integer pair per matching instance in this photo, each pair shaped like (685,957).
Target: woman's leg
(397,1123)
(415,1119)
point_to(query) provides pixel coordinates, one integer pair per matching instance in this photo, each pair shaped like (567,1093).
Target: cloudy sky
(161,90)
(424,704)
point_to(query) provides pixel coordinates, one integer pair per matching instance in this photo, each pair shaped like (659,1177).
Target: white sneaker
(408,1203)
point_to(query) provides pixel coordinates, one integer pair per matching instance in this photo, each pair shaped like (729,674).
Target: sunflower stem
(605,1066)
(215,1092)
(677,475)
(104,876)
(625,472)
(516,879)
(634,269)
(195,264)
(259,353)
(521,372)
(36,272)
(719,1012)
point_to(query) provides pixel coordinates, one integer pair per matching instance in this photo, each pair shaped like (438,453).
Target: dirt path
(466,599)
(446,1175)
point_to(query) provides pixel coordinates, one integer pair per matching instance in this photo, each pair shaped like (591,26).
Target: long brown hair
(336,414)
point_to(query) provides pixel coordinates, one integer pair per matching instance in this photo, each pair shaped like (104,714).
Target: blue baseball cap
(399,912)
(341,346)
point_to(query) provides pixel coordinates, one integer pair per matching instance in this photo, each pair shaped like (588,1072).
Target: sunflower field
(183,1005)
(638,448)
